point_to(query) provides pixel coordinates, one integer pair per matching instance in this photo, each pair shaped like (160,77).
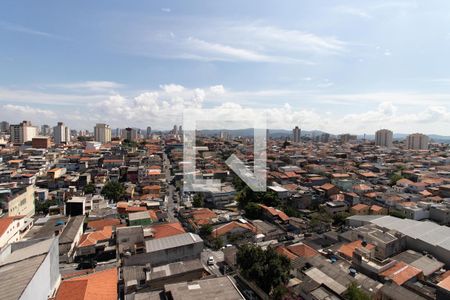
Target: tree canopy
(355,293)
(247,195)
(198,200)
(89,189)
(266,268)
(113,191)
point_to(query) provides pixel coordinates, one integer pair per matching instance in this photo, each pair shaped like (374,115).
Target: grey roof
(428,232)
(29,250)
(394,291)
(176,268)
(215,288)
(14,277)
(71,229)
(172,242)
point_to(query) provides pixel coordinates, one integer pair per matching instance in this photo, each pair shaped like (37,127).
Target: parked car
(210,261)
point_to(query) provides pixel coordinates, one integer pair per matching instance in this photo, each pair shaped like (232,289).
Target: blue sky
(339,66)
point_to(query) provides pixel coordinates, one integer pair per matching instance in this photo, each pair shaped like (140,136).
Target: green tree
(266,268)
(247,195)
(205,231)
(394,178)
(355,293)
(89,189)
(253,211)
(198,200)
(42,207)
(113,191)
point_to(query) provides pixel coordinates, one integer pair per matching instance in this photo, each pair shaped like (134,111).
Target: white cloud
(30,31)
(89,85)
(164,106)
(22,112)
(353,11)
(166,10)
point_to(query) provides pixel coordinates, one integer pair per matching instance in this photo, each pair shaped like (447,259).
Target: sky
(336,66)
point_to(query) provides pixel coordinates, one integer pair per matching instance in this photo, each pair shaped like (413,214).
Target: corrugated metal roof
(172,242)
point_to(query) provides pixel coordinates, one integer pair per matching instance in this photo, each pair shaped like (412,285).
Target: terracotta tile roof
(327,186)
(445,283)
(401,272)
(4,224)
(348,249)
(275,212)
(376,208)
(100,224)
(302,250)
(151,187)
(168,229)
(224,229)
(92,238)
(99,285)
(285,252)
(360,206)
(152,215)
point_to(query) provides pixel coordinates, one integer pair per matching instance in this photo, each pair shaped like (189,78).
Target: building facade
(102,133)
(384,138)
(417,141)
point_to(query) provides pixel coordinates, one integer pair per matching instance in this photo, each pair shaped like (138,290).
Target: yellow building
(18,202)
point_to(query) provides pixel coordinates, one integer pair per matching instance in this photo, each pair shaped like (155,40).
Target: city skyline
(359,69)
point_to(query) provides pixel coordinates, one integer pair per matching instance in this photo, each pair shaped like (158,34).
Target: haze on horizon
(356,67)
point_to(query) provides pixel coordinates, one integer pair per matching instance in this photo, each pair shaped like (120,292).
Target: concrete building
(61,134)
(18,201)
(383,138)
(29,270)
(166,250)
(149,132)
(12,229)
(22,133)
(296,133)
(130,134)
(41,142)
(417,141)
(45,130)
(420,235)
(204,289)
(102,133)
(4,126)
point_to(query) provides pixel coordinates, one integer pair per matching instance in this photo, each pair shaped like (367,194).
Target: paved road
(170,205)
(218,260)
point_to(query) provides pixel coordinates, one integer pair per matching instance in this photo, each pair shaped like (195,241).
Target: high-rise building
(102,133)
(149,132)
(417,141)
(296,132)
(61,134)
(130,134)
(23,132)
(347,137)
(383,138)
(45,130)
(325,137)
(4,126)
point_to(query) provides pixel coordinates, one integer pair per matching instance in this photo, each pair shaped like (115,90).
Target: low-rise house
(143,218)
(274,215)
(12,229)
(166,250)
(360,209)
(234,232)
(95,243)
(97,285)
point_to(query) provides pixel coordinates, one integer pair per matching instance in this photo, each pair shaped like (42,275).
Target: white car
(210,261)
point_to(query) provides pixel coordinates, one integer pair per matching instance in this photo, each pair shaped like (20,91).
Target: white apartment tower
(61,134)
(23,132)
(102,133)
(296,132)
(383,138)
(417,141)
